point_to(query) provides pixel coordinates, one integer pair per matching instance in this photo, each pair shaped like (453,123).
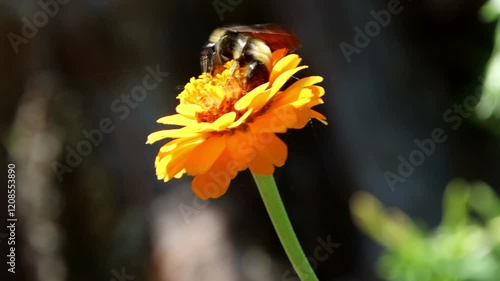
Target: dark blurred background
(104,216)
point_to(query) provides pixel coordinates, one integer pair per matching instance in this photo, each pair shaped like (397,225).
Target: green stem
(272,200)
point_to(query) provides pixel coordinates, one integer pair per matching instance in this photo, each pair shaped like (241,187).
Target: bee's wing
(275,36)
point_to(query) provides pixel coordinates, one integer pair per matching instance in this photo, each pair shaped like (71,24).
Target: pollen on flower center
(214,95)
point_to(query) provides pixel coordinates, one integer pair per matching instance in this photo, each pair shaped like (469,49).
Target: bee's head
(209,52)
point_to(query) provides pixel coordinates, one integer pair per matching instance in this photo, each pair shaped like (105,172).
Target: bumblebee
(250,46)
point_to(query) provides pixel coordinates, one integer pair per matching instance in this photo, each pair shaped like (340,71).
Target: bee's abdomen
(256,75)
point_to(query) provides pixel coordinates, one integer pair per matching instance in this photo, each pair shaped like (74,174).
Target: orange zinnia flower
(226,130)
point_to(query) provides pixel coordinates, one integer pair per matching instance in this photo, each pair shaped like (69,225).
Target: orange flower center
(214,95)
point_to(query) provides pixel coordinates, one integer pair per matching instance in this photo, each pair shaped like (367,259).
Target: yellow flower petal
(173,163)
(261,166)
(215,182)
(303,117)
(224,121)
(204,155)
(176,119)
(161,165)
(277,55)
(206,187)
(173,144)
(276,151)
(276,119)
(268,151)
(320,117)
(318,92)
(180,174)
(304,98)
(314,101)
(242,119)
(284,64)
(306,82)
(286,97)
(245,101)
(174,133)
(261,100)
(240,148)
(285,76)
(188,109)
(198,128)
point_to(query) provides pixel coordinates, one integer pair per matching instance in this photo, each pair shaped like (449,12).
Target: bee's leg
(241,43)
(207,58)
(233,67)
(204,63)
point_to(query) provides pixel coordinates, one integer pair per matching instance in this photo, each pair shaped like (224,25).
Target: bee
(250,46)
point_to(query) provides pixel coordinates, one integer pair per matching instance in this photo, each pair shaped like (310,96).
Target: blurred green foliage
(464,247)
(488,108)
